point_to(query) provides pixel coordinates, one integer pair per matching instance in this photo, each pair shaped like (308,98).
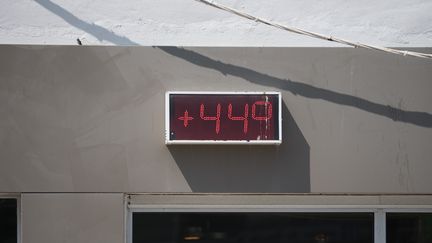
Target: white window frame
(378,204)
(168,141)
(379,212)
(19,215)
(382,217)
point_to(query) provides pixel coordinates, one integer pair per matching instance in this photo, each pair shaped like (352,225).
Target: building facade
(84,159)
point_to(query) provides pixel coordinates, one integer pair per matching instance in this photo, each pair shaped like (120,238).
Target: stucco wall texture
(91,119)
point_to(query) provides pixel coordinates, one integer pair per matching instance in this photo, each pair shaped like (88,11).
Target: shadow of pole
(422,119)
(413,117)
(95,30)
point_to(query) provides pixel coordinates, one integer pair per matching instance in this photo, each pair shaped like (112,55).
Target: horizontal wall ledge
(280,200)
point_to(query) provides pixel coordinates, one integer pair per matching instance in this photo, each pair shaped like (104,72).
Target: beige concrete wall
(71,218)
(91,119)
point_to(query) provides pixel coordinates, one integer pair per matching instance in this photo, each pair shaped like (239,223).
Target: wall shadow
(248,168)
(418,118)
(97,31)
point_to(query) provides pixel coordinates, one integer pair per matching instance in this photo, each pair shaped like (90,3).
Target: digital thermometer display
(223,117)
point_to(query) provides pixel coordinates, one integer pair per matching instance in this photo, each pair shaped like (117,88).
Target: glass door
(252,227)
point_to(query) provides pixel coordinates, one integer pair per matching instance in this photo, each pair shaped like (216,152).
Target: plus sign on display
(223,118)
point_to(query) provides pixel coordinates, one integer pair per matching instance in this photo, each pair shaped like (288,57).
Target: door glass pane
(8,220)
(253,227)
(409,227)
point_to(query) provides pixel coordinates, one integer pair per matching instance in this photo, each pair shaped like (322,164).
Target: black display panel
(223,117)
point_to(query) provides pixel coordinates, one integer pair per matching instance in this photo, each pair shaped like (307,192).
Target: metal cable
(315,35)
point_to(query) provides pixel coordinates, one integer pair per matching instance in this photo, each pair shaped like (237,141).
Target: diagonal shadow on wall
(95,30)
(422,119)
(248,168)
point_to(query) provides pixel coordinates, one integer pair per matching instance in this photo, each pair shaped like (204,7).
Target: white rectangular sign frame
(222,142)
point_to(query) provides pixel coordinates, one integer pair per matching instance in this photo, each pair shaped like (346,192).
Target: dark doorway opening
(259,227)
(8,220)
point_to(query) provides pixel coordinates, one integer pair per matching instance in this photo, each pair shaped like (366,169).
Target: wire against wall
(315,35)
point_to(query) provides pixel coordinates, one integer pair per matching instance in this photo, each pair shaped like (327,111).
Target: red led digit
(185,118)
(240,118)
(212,118)
(268,108)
